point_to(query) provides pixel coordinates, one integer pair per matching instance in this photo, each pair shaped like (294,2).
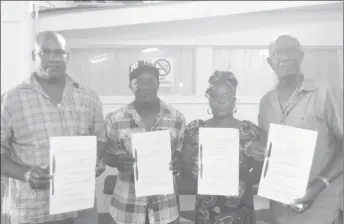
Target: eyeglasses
(45,53)
(289,52)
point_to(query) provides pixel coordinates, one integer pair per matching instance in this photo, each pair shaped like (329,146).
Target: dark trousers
(105,218)
(67,221)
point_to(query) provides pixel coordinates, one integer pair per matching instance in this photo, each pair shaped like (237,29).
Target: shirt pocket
(28,122)
(314,120)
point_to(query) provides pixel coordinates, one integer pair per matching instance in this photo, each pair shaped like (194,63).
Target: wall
(16,31)
(313,27)
(162,12)
(16,42)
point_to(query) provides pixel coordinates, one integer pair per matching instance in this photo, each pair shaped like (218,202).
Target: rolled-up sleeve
(181,134)
(111,135)
(334,114)
(98,122)
(6,126)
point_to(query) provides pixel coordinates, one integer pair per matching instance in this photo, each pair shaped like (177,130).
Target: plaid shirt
(28,118)
(125,207)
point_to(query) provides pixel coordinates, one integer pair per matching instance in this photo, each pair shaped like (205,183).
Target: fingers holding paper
(257,151)
(100,167)
(126,162)
(39,178)
(304,203)
(176,163)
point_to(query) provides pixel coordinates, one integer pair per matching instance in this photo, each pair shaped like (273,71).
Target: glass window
(256,78)
(106,70)
(324,65)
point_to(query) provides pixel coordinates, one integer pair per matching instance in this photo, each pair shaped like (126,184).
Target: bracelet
(324,180)
(245,149)
(27,175)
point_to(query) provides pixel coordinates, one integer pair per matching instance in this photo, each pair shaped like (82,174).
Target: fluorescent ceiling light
(97,60)
(150,50)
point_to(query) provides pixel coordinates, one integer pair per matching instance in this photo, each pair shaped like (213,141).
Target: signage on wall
(166,70)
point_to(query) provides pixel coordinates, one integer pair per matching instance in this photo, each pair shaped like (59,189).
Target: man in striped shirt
(146,113)
(49,103)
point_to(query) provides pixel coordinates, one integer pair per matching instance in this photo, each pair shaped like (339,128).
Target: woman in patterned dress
(211,209)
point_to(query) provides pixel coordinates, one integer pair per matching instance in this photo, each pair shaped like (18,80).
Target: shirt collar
(164,109)
(307,85)
(32,83)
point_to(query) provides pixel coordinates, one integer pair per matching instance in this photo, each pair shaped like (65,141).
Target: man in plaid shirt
(146,113)
(49,103)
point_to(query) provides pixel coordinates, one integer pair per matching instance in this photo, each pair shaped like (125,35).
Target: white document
(288,163)
(72,165)
(218,161)
(152,174)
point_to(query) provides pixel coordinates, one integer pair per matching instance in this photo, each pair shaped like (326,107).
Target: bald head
(285,56)
(49,38)
(50,55)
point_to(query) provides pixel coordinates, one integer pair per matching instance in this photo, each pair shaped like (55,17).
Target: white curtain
(324,65)
(255,76)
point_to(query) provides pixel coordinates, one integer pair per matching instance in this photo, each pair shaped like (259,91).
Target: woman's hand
(256,150)
(175,166)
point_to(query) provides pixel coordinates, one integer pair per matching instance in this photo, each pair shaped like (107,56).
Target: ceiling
(62,6)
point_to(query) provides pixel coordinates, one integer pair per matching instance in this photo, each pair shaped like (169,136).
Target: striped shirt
(125,207)
(28,118)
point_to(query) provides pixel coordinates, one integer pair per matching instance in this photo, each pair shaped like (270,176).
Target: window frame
(203,62)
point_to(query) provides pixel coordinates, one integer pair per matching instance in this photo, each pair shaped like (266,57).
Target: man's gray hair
(49,35)
(283,38)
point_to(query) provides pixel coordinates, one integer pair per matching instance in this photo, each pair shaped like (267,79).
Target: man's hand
(307,200)
(125,162)
(100,167)
(175,166)
(257,151)
(38,178)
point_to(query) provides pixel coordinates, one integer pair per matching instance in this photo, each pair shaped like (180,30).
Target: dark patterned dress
(221,209)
